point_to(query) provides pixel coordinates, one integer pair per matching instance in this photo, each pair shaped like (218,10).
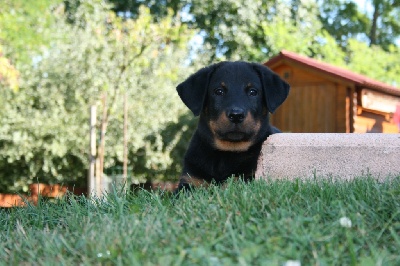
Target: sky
(364,5)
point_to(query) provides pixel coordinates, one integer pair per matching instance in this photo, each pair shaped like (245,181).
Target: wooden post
(98,186)
(125,159)
(101,150)
(92,152)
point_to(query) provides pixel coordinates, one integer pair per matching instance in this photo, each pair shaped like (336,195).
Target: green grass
(259,223)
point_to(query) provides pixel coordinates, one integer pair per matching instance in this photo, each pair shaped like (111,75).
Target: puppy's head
(234,99)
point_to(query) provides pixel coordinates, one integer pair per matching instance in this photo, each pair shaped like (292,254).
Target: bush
(44,133)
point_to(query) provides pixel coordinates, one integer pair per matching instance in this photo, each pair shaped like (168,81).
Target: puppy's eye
(252,92)
(219,92)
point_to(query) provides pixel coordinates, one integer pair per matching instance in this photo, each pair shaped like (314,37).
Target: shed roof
(334,71)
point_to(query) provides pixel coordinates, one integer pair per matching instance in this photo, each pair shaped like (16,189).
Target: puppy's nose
(236,115)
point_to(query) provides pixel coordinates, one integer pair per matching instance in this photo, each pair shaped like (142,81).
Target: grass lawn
(259,223)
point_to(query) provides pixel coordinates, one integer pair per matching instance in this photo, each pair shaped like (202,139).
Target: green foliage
(44,132)
(158,9)
(25,27)
(375,62)
(343,20)
(39,139)
(304,35)
(258,223)
(385,25)
(378,25)
(230,27)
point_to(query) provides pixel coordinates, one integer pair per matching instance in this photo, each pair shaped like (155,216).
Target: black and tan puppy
(234,100)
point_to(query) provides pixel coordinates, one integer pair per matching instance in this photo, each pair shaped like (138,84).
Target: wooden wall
(369,122)
(314,105)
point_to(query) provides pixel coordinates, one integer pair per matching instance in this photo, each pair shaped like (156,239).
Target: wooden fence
(35,191)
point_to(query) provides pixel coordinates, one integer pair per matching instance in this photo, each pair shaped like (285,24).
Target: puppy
(234,100)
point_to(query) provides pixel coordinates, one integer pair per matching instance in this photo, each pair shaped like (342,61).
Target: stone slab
(329,155)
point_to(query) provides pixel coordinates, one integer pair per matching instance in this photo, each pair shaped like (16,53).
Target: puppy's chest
(222,166)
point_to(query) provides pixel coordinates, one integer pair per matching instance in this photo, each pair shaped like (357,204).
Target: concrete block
(329,155)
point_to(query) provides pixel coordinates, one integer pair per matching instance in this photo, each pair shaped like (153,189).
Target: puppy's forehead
(235,73)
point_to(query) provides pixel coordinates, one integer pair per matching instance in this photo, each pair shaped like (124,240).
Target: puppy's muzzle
(236,115)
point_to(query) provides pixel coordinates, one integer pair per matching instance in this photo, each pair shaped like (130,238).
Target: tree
(44,132)
(130,8)
(375,62)
(158,9)
(25,27)
(345,20)
(385,24)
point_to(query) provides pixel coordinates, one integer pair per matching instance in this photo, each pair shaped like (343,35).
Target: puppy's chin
(232,145)
(232,137)
(233,140)
(235,136)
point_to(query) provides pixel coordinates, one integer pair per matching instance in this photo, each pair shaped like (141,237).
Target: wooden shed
(329,99)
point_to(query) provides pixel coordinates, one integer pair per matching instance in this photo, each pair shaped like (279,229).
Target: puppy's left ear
(275,89)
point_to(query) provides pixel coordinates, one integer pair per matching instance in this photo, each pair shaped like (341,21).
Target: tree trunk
(92,153)
(125,159)
(374,26)
(104,123)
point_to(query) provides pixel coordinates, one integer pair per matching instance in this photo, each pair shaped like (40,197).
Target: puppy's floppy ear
(275,89)
(194,89)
